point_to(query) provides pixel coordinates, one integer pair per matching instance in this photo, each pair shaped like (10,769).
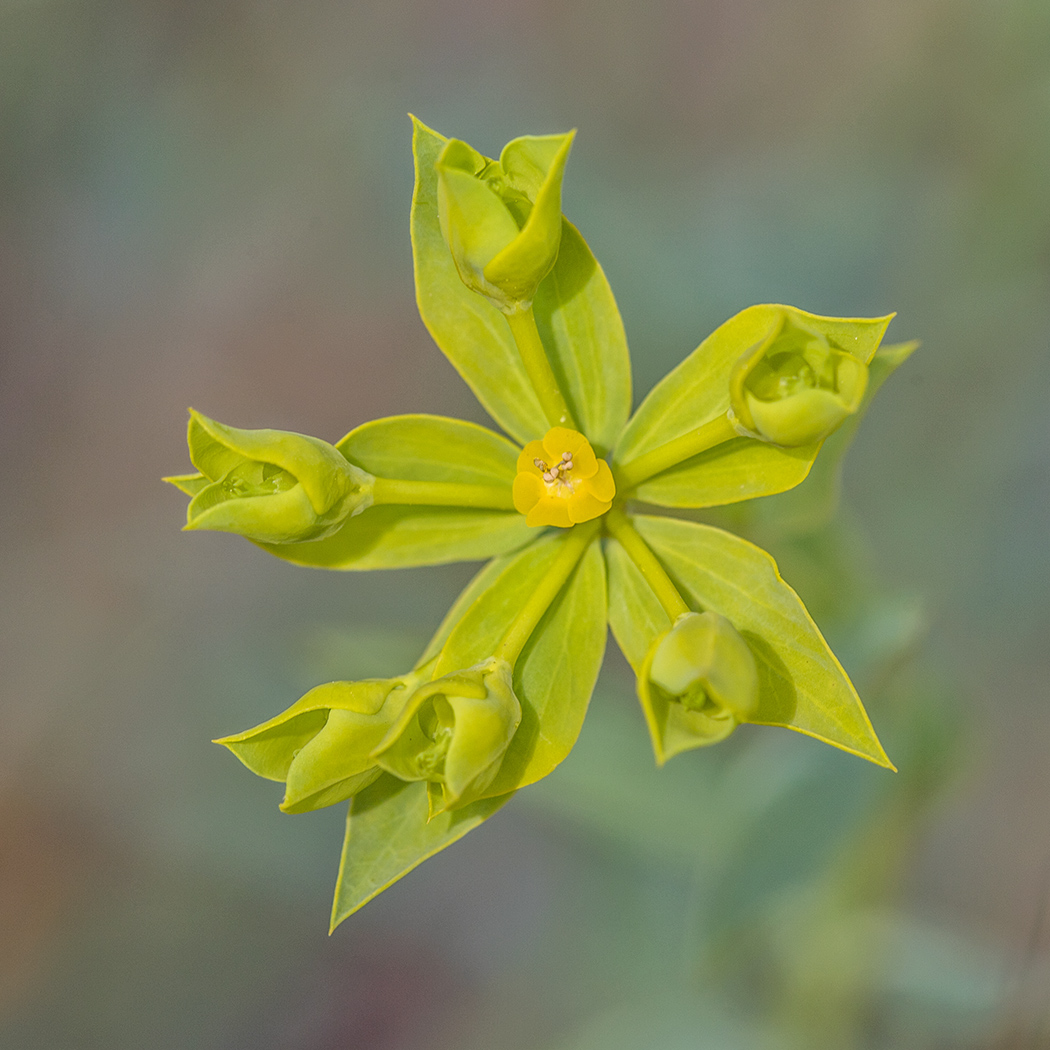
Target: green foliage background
(207,204)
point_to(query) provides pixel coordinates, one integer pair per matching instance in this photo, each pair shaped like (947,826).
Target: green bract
(269,485)
(502,219)
(795,387)
(514,298)
(697,683)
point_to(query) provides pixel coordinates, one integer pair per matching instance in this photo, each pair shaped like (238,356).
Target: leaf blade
(581,327)
(388,834)
(401,537)
(421,447)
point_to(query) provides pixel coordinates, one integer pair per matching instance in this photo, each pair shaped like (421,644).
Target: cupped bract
(795,387)
(502,219)
(321,747)
(453,733)
(698,682)
(271,486)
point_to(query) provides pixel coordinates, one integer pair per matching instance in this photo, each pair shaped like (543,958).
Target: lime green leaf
(697,391)
(802,684)
(431,448)
(581,328)
(556,672)
(738,470)
(636,617)
(575,313)
(471,332)
(473,590)
(398,537)
(388,834)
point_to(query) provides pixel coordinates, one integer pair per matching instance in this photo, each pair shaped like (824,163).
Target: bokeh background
(206,202)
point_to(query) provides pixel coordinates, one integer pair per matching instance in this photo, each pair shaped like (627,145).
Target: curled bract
(795,387)
(561,482)
(453,733)
(321,747)
(698,682)
(271,486)
(502,219)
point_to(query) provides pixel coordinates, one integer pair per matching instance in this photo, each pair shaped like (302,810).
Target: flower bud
(795,388)
(698,682)
(454,732)
(270,486)
(502,219)
(321,747)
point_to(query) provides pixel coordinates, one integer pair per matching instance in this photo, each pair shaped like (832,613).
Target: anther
(540,464)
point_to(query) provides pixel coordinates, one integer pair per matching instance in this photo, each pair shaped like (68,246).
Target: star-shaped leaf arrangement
(514,298)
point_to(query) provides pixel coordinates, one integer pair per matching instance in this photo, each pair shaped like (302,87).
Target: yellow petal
(529,454)
(582,506)
(602,486)
(550,511)
(528,490)
(559,440)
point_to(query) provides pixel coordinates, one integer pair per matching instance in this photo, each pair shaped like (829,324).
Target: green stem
(621,530)
(538,368)
(714,432)
(441,494)
(572,549)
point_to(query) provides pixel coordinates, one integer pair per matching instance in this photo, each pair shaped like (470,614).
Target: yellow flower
(561,482)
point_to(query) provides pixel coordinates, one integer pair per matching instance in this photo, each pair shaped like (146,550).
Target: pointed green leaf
(431,448)
(555,674)
(470,594)
(636,616)
(581,327)
(575,313)
(388,834)
(697,391)
(802,684)
(399,537)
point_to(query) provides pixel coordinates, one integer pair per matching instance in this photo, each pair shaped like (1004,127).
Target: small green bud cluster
(339,738)
(502,220)
(698,683)
(270,486)
(795,388)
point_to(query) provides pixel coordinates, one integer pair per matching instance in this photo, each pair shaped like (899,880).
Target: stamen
(540,464)
(548,476)
(554,472)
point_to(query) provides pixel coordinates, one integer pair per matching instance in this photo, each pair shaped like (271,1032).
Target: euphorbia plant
(514,298)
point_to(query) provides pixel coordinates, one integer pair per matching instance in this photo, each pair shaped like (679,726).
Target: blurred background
(205,202)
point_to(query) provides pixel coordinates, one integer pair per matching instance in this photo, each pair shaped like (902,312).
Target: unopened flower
(270,486)
(454,731)
(795,387)
(502,219)
(699,681)
(561,482)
